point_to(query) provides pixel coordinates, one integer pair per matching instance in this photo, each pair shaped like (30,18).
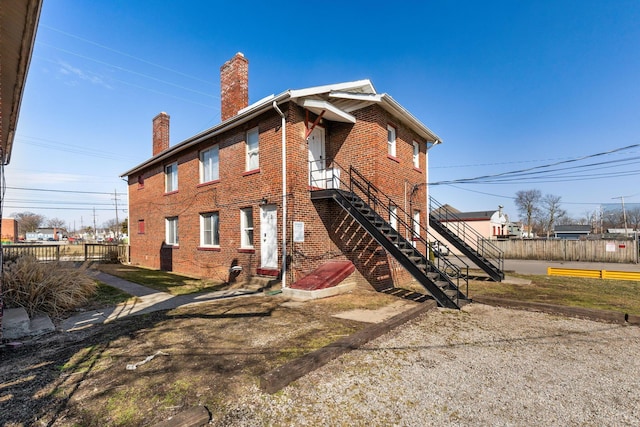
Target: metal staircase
(468,241)
(368,206)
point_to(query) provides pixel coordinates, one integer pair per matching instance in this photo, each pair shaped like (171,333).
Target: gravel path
(482,366)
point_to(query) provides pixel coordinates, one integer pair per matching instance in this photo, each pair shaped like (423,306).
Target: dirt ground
(207,354)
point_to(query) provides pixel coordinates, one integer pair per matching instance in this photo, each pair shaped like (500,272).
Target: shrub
(51,288)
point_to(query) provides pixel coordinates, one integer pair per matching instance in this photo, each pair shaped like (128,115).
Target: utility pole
(115,199)
(624,212)
(95,230)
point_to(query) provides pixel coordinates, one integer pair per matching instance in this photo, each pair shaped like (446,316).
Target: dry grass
(613,295)
(50,288)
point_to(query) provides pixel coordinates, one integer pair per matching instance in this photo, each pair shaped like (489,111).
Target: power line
(124,54)
(519,173)
(66,191)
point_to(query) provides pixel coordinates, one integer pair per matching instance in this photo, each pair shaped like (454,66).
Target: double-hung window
(253,150)
(210,229)
(391,140)
(416,155)
(246,227)
(210,164)
(171,226)
(171,177)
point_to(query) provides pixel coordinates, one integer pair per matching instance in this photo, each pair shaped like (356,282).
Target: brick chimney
(234,86)
(160,133)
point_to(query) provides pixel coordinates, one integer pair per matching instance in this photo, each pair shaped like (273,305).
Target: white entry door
(317,160)
(268,236)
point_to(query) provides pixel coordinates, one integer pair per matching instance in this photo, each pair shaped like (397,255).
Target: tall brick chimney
(160,133)
(234,86)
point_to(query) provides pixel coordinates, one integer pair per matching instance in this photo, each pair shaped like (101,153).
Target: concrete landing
(331,278)
(16,324)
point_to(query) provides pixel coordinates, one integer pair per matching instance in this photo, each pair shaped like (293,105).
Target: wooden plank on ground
(197,416)
(580,312)
(282,376)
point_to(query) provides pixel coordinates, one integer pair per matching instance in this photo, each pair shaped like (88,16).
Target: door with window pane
(269,236)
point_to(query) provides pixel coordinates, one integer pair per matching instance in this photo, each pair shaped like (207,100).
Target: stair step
(451,293)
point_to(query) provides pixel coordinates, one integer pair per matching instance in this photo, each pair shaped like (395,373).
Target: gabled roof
(337,100)
(18,24)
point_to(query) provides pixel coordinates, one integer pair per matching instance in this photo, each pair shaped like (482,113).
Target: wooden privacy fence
(621,251)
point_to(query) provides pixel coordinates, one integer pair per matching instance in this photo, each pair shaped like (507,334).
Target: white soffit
(331,112)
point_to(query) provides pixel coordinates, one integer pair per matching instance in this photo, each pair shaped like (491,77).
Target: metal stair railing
(361,188)
(469,236)
(375,197)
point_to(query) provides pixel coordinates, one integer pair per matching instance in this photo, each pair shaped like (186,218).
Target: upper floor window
(246,227)
(253,149)
(171,225)
(391,140)
(210,229)
(210,164)
(171,177)
(141,226)
(416,154)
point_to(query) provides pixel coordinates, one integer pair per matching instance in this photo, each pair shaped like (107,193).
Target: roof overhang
(18,25)
(331,112)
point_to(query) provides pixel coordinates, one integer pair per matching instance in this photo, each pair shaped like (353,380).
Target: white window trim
(215,149)
(391,142)
(416,155)
(203,218)
(252,152)
(170,239)
(174,182)
(245,228)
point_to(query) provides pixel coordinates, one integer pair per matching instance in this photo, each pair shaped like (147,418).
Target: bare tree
(28,222)
(551,212)
(55,223)
(113,226)
(633,216)
(527,202)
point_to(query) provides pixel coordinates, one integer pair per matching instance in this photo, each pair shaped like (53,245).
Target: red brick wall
(329,232)
(160,133)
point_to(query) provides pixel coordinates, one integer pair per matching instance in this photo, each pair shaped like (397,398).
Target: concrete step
(16,324)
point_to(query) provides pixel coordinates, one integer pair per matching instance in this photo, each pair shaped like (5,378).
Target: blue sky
(507,85)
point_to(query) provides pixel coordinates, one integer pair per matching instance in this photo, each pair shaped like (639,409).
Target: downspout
(284,194)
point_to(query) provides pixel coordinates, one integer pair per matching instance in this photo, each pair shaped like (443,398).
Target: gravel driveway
(482,366)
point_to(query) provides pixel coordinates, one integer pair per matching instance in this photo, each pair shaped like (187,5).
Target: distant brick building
(216,200)
(9,230)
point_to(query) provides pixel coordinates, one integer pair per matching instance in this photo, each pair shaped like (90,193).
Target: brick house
(214,204)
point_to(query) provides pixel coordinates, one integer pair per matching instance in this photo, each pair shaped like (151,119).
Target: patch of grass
(613,295)
(108,295)
(162,281)
(123,408)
